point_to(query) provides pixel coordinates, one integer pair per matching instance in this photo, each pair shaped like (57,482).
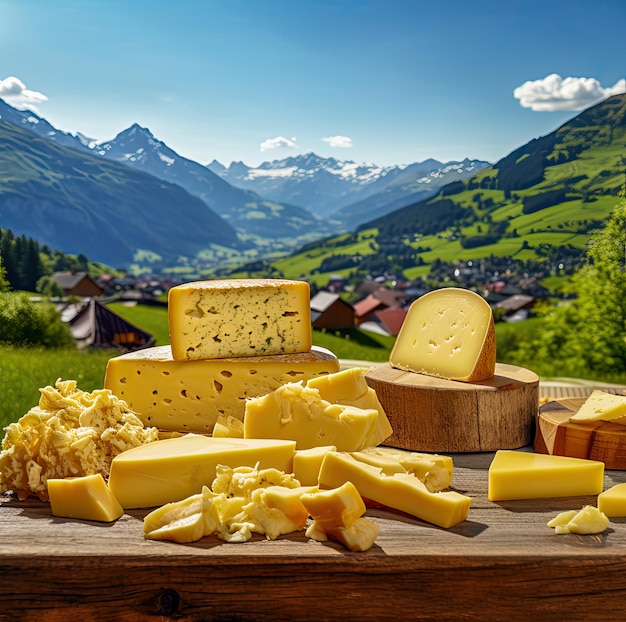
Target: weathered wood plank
(502,563)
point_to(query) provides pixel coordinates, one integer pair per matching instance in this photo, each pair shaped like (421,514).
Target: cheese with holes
(601,406)
(175,468)
(400,491)
(349,387)
(447,333)
(239,317)
(190,396)
(526,475)
(612,501)
(87,497)
(298,412)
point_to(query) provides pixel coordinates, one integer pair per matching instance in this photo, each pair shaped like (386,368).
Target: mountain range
(135,197)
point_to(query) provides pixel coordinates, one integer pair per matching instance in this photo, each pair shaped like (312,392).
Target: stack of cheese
(230,340)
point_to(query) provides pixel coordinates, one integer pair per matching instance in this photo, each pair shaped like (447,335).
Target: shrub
(27,323)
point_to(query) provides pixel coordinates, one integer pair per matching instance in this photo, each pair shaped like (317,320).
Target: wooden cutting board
(445,416)
(599,440)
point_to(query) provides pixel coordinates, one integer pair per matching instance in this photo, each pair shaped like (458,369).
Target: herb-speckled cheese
(239,317)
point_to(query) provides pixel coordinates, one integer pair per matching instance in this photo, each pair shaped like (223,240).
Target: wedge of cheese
(298,412)
(86,497)
(601,406)
(612,501)
(526,475)
(175,468)
(400,491)
(239,317)
(447,333)
(190,396)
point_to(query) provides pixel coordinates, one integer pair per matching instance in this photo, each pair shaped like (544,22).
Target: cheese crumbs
(70,433)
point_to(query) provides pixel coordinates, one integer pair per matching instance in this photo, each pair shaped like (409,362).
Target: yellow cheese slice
(239,317)
(601,406)
(612,501)
(400,491)
(349,387)
(86,497)
(447,333)
(297,412)
(190,396)
(175,468)
(526,475)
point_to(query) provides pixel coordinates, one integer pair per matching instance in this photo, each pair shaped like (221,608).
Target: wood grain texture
(503,563)
(595,440)
(445,416)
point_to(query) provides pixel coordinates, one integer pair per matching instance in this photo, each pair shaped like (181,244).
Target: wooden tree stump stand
(445,416)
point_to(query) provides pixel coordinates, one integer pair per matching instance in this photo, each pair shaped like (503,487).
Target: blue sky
(384,81)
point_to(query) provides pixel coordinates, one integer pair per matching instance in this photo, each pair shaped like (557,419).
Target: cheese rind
(86,497)
(526,475)
(239,317)
(400,491)
(612,501)
(175,468)
(447,333)
(190,396)
(297,412)
(601,406)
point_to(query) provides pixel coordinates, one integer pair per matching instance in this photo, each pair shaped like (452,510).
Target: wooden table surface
(503,563)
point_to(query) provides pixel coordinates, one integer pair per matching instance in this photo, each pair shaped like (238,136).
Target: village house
(77,284)
(329,310)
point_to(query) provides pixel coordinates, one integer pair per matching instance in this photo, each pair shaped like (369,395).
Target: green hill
(540,201)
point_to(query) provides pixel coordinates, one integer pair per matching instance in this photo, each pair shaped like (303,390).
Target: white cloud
(554,93)
(15,93)
(338,141)
(279,141)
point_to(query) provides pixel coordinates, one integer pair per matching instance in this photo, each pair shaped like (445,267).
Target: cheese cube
(400,491)
(526,475)
(612,501)
(190,396)
(447,333)
(359,536)
(239,317)
(296,412)
(307,463)
(338,507)
(86,497)
(175,468)
(349,387)
(601,406)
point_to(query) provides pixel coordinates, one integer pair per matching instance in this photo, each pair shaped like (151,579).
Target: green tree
(587,337)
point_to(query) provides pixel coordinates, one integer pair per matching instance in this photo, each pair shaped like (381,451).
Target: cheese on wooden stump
(175,468)
(86,497)
(612,501)
(447,333)
(190,396)
(526,475)
(349,387)
(239,317)
(400,491)
(297,412)
(601,406)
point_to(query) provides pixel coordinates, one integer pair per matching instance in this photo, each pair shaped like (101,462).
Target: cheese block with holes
(447,333)
(189,396)
(239,317)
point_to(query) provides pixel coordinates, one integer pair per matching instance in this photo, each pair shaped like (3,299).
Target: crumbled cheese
(69,433)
